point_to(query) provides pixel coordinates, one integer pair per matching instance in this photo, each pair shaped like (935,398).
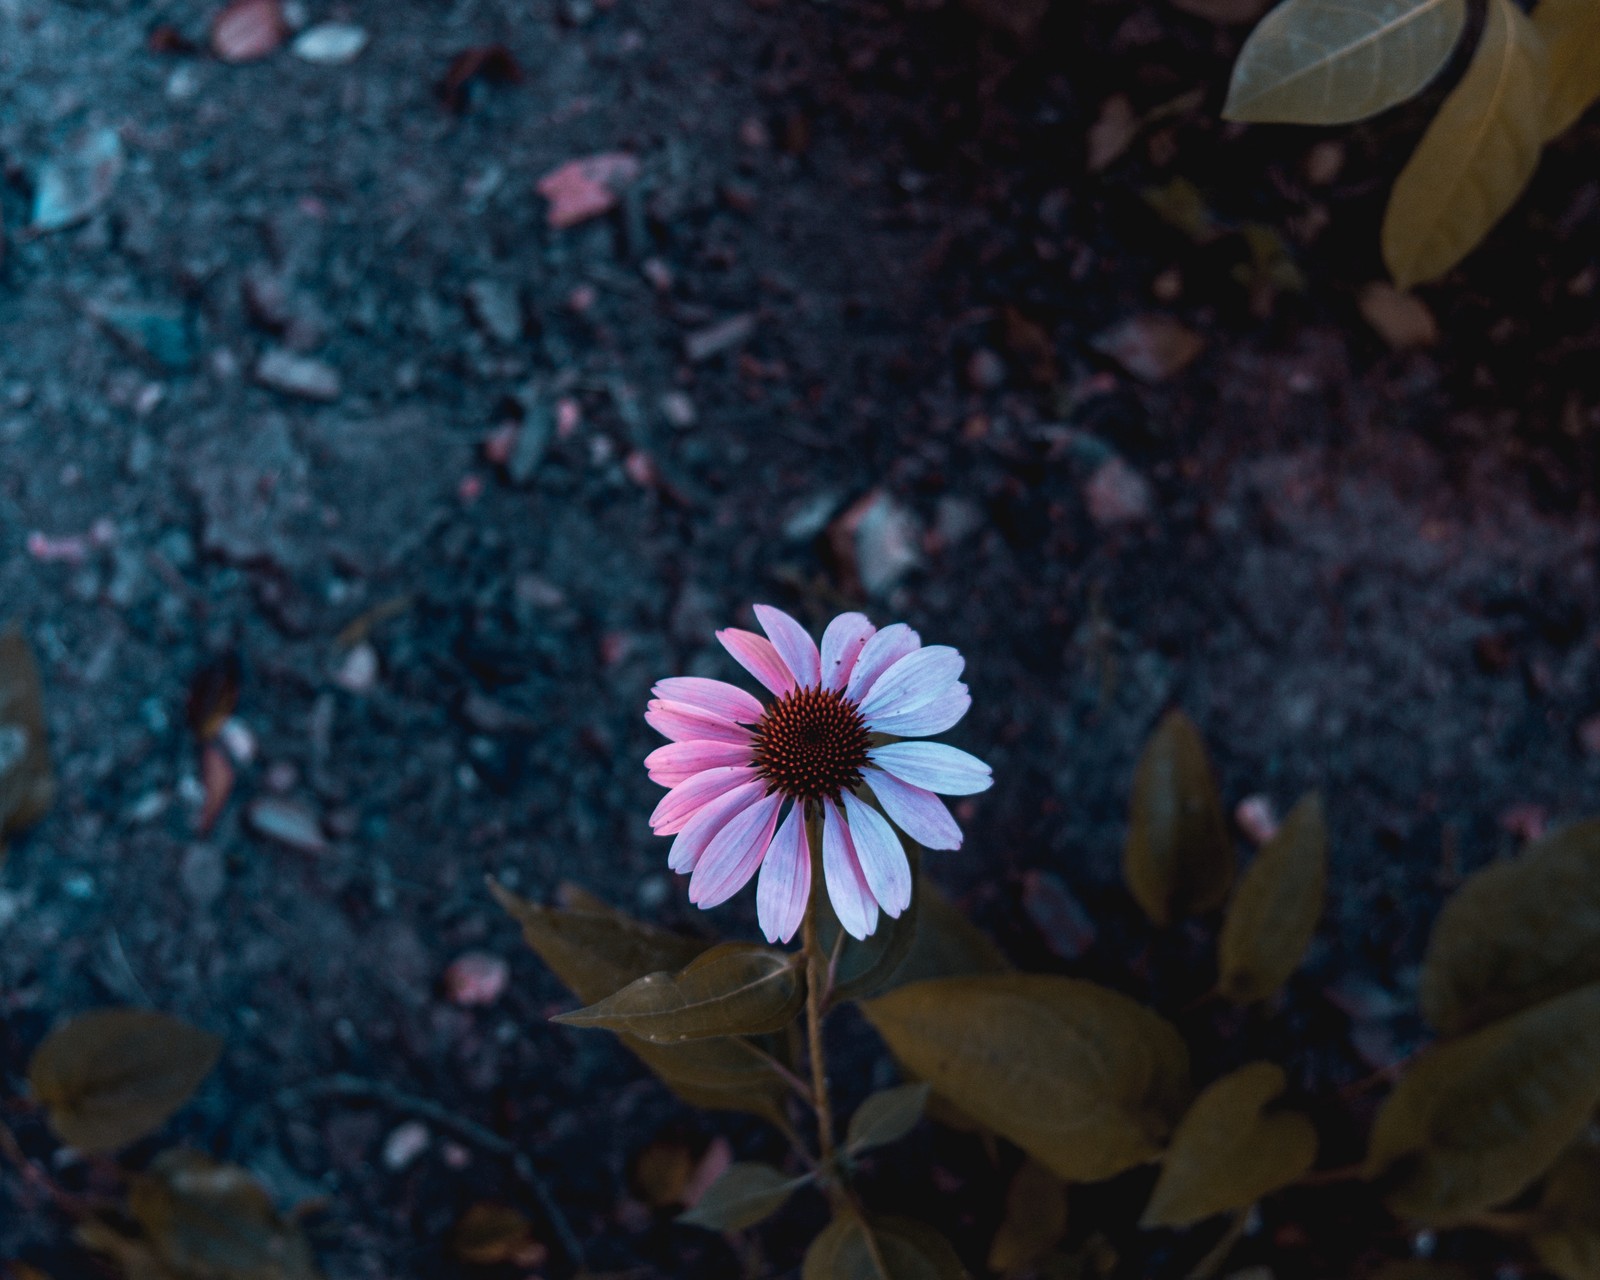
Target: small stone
(476,979)
(203,875)
(986,371)
(298,376)
(289,823)
(330,44)
(1256,818)
(1324,162)
(1151,347)
(358,672)
(678,409)
(715,339)
(1117,495)
(497,308)
(586,188)
(811,517)
(402,1147)
(248,29)
(956,520)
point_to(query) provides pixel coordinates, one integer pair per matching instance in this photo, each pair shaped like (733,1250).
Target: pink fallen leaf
(476,979)
(248,29)
(715,1162)
(216,775)
(1256,818)
(588,187)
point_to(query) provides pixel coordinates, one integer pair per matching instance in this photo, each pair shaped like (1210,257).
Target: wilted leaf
(1571,31)
(114,1075)
(490,1235)
(909,1250)
(1273,916)
(1569,1242)
(210,1221)
(866,965)
(27,785)
(1475,1120)
(742,1197)
(1517,933)
(1179,860)
(1035,1221)
(1476,156)
(1325,62)
(1084,1079)
(885,1117)
(1229,1151)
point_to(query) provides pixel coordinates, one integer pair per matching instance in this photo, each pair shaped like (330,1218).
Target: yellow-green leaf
(1475,158)
(1274,913)
(1571,31)
(908,1250)
(947,944)
(1326,62)
(1475,1120)
(742,1197)
(1082,1078)
(1568,1239)
(1179,860)
(27,785)
(1229,1150)
(1035,1221)
(113,1076)
(1517,933)
(490,1234)
(886,1116)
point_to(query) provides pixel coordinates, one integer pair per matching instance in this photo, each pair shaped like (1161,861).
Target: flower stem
(817,970)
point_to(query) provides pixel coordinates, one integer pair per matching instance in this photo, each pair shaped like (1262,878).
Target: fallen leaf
(490,62)
(76,182)
(489,1235)
(248,29)
(875,541)
(217,779)
(1060,918)
(1152,347)
(1113,132)
(1402,320)
(582,189)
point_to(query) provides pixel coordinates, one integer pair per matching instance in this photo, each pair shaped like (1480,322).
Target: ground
(315,384)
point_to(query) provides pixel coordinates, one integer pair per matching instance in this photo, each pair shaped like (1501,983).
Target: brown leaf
(1402,320)
(1571,31)
(1082,1078)
(909,1251)
(1567,1240)
(27,784)
(1035,1221)
(248,29)
(1152,347)
(493,63)
(1179,860)
(113,1076)
(489,1235)
(213,695)
(1113,132)
(1229,1150)
(1274,913)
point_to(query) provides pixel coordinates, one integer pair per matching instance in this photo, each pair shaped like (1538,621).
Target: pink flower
(832,731)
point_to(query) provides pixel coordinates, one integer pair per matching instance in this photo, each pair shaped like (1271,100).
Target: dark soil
(1361,571)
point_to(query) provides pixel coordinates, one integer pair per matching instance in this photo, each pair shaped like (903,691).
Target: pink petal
(794,645)
(586,188)
(881,652)
(757,656)
(933,766)
(679,761)
(733,856)
(683,723)
(883,858)
(920,814)
(917,679)
(932,717)
(686,799)
(726,701)
(785,884)
(706,825)
(842,643)
(852,900)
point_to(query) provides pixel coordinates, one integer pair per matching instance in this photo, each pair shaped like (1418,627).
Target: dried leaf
(27,785)
(1152,347)
(1325,62)
(1403,320)
(1179,860)
(586,188)
(1476,157)
(490,1235)
(885,1117)
(866,965)
(1568,1240)
(1274,914)
(1517,933)
(909,1251)
(1229,1151)
(742,1197)
(1475,1120)
(1082,1078)
(1571,31)
(1035,1221)
(113,1076)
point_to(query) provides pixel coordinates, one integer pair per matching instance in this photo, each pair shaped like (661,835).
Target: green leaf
(947,944)
(908,1250)
(1571,31)
(27,785)
(210,1221)
(885,1117)
(1085,1080)
(1229,1151)
(1568,1241)
(1274,913)
(742,1197)
(1179,859)
(1475,1120)
(867,965)
(1327,62)
(1516,933)
(1476,157)
(113,1076)
(735,989)
(1035,1221)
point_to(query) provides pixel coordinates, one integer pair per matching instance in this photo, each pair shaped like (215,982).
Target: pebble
(1256,818)
(678,409)
(358,673)
(289,823)
(402,1147)
(714,339)
(497,308)
(476,979)
(1116,494)
(247,30)
(330,44)
(298,376)
(203,875)
(879,538)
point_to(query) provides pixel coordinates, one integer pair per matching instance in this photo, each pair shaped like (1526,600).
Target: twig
(793,1081)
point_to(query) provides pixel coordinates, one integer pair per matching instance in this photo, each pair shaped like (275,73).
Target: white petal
(883,858)
(852,900)
(716,696)
(793,643)
(842,643)
(933,766)
(917,679)
(732,858)
(704,827)
(936,716)
(920,814)
(757,656)
(785,884)
(881,652)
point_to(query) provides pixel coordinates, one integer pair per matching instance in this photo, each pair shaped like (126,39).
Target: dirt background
(1360,569)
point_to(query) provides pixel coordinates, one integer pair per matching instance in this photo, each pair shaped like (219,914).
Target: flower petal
(683,723)
(785,884)
(706,825)
(679,761)
(852,900)
(757,656)
(916,680)
(686,799)
(883,858)
(934,766)
(881,652)
(842,643)
(920,814)
(794,645)
(733,856)
(932,717)
(727,701)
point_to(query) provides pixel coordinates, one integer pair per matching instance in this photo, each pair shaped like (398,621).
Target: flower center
(811,743)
